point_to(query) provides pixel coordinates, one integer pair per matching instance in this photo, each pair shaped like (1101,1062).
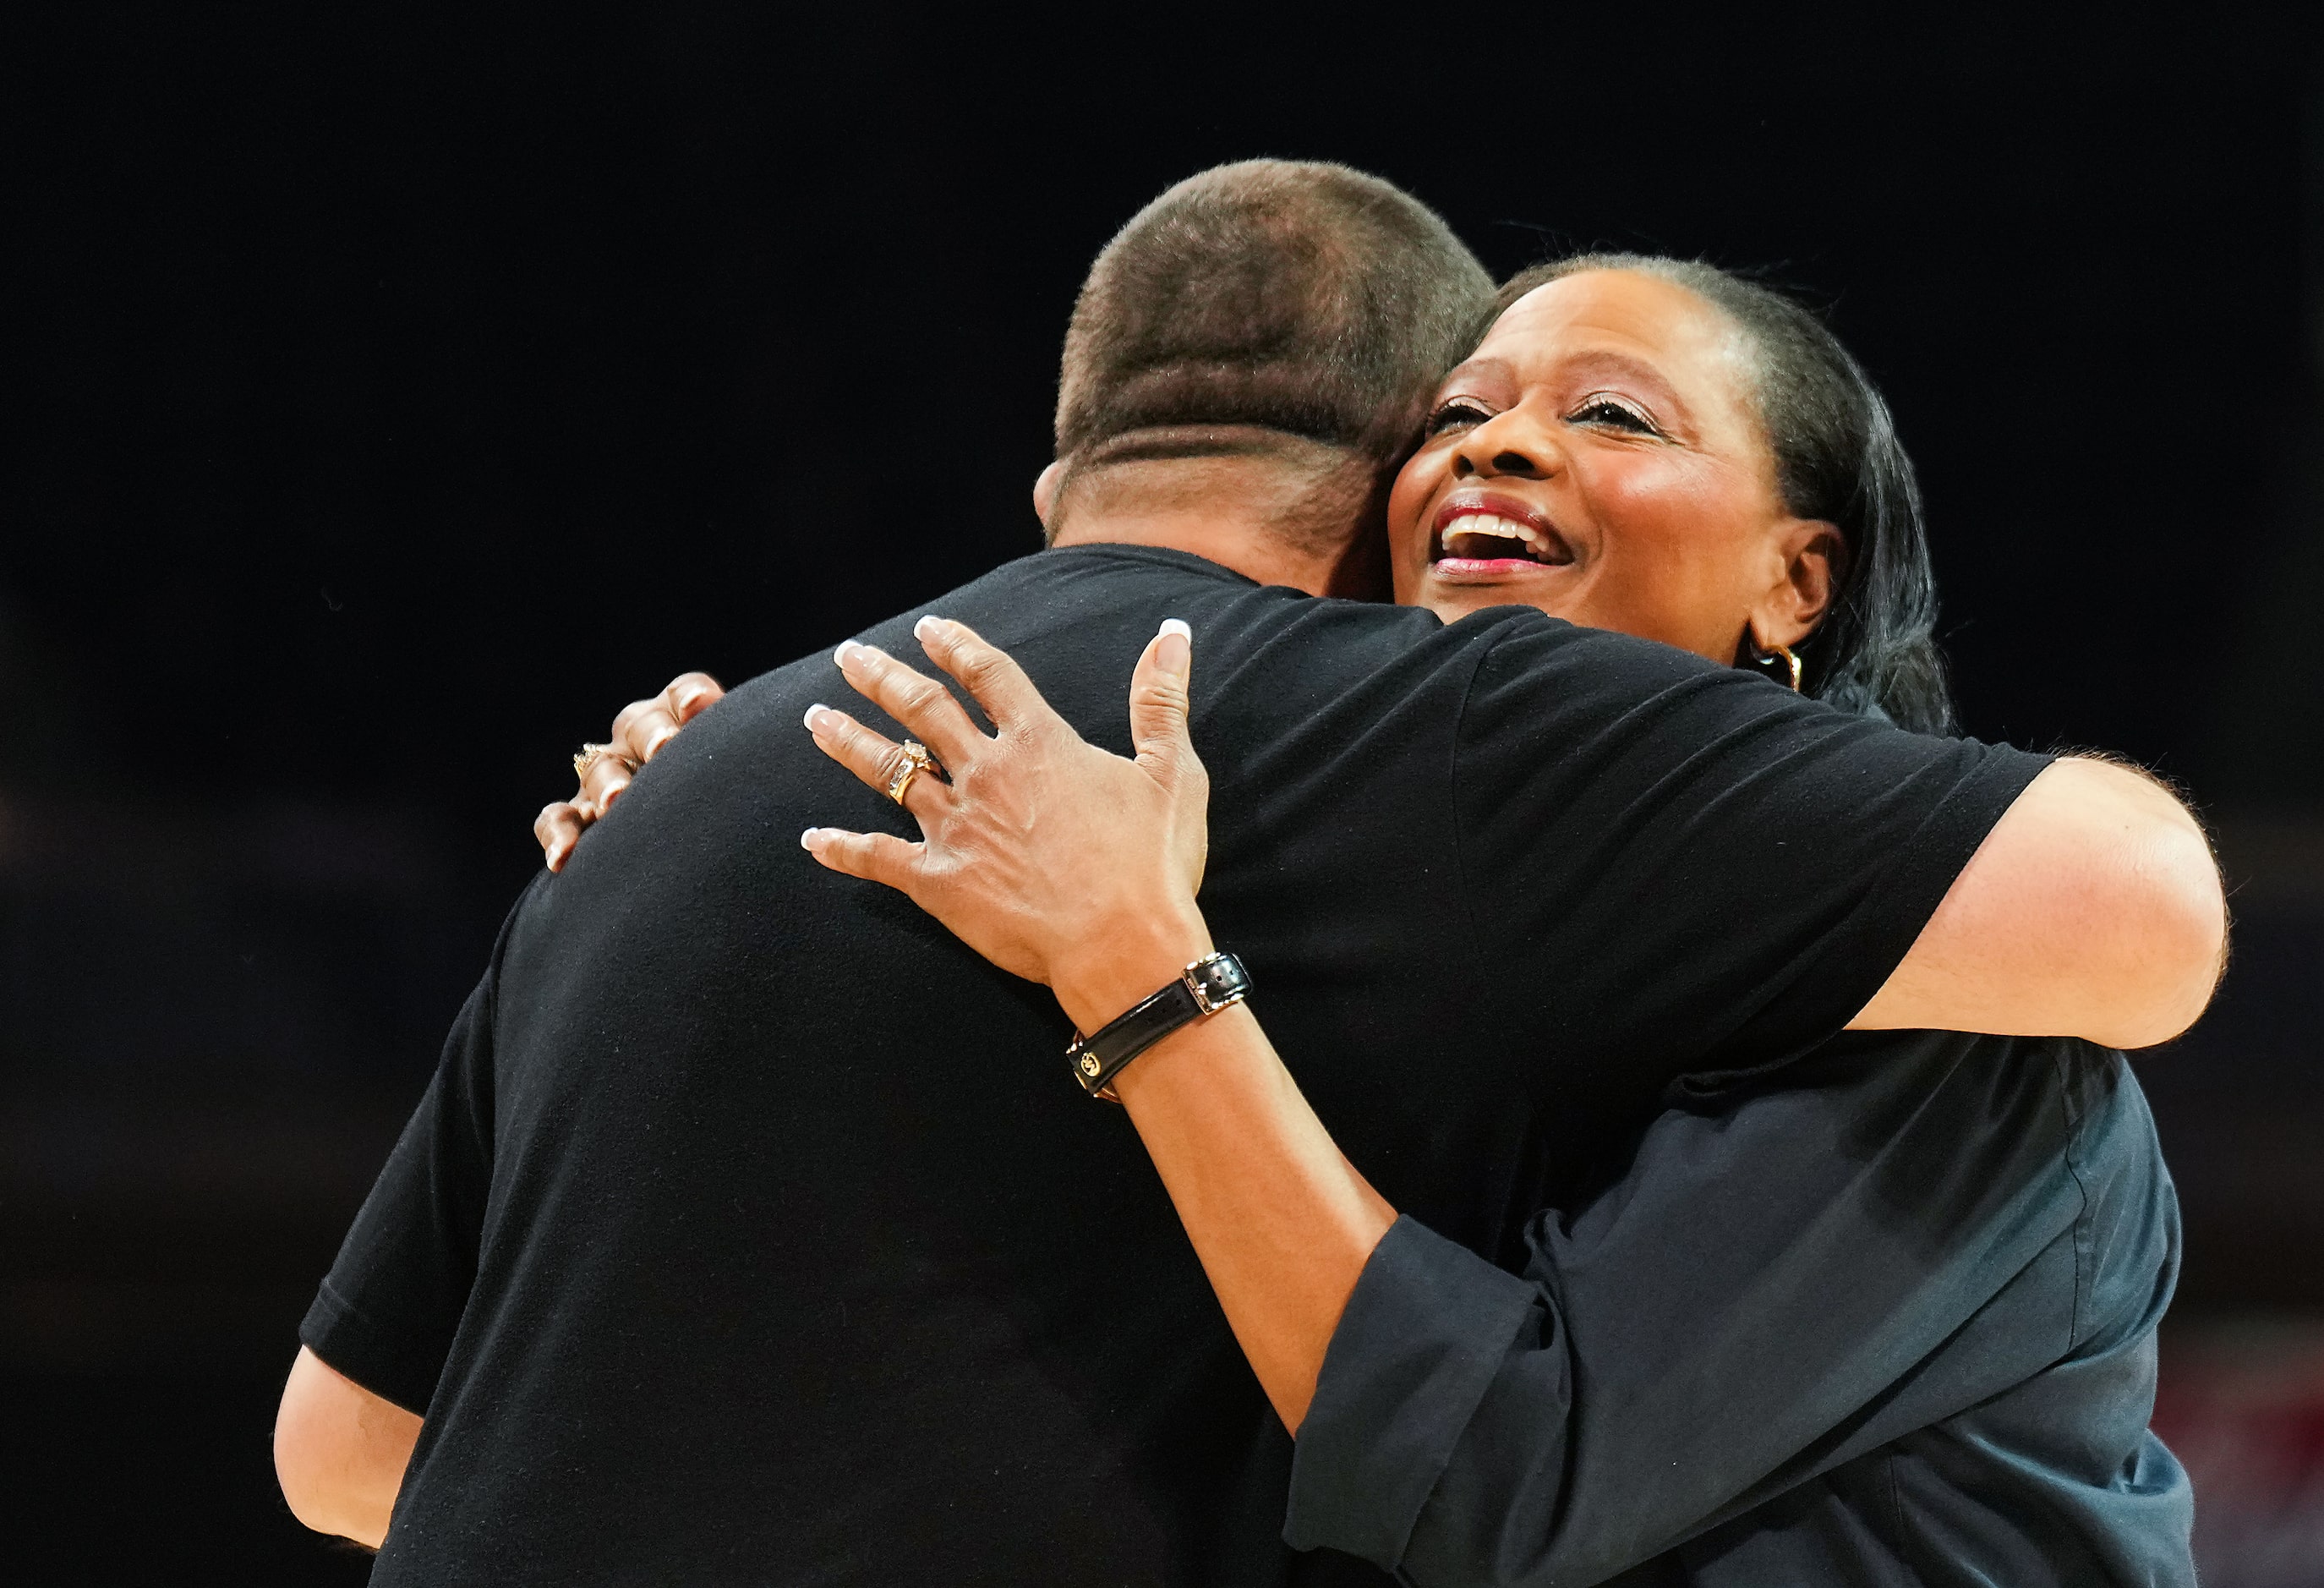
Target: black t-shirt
(751,1232)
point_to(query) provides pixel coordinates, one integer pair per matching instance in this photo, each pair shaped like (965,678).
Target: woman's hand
(639,730)
(1051,857)
(1062,863)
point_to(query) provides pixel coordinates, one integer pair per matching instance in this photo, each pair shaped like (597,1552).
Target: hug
(1610,1087)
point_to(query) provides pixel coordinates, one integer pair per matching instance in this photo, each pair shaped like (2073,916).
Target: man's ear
(1816,560)
(1045,491)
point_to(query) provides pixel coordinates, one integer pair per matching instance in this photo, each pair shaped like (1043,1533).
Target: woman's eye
(1606,411)
(1459,411)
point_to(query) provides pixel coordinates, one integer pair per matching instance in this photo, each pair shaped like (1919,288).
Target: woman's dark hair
(1837,460)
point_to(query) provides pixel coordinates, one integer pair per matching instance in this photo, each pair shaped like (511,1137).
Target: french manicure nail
(807,839)
(839,657)
(811,712)
(1172,648)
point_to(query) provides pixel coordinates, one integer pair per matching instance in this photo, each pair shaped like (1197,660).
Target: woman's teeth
(1485,536)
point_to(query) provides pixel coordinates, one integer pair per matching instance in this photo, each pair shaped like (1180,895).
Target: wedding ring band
(916,760)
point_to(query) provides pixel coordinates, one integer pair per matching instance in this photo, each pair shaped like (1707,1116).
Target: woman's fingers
(609,773)
(990,674)
(644,726)
(873,757)
(691,694)
(876,857)
(1157,706)
(558,828)
(925,707)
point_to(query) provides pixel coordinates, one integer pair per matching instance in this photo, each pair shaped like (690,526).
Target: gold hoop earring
(1776,661)
(1783,654)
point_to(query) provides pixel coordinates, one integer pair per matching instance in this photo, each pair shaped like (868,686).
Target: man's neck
(1244,547)
(1272,525)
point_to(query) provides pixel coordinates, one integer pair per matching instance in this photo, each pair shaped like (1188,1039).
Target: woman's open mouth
(1482,535)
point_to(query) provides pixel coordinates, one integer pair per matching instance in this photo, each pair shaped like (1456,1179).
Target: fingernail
(654,745)
(813,712)
(686,701)
(1177,647)
(807,839)
(839,657)
(930,627)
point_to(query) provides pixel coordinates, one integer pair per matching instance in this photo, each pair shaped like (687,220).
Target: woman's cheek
(1417,486)
(1671,555)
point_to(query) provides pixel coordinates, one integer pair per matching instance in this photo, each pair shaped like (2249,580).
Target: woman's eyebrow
(1477,369)
(1613,362)
(1619,363)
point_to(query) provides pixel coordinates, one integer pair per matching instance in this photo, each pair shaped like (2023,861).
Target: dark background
(390,396)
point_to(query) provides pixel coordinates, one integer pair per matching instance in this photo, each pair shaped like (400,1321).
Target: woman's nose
(1495,447)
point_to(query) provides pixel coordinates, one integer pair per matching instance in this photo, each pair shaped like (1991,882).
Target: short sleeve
(388,1309)
(1674,858)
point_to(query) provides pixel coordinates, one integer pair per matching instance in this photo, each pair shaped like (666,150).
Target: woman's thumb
(1157,703)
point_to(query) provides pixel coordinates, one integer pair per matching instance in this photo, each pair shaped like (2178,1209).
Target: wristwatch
(1203,988)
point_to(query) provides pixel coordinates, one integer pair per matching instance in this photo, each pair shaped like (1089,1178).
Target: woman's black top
(1887,1317)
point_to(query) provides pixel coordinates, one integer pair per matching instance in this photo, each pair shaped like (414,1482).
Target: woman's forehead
(1617,313)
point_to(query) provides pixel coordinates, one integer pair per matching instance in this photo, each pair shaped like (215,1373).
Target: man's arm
(392,1303)
(2094,909)
(340,1451)
(1780,871)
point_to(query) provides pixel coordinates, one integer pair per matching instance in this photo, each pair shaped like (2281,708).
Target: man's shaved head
(1296,298)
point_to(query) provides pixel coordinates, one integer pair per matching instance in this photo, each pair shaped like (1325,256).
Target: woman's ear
(1816,560)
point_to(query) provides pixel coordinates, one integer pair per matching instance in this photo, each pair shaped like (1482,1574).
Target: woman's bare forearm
(1282,1222)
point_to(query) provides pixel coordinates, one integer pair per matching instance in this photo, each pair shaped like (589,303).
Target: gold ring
(916,760)
(591,754)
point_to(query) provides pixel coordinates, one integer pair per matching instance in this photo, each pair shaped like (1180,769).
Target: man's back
(762,1237)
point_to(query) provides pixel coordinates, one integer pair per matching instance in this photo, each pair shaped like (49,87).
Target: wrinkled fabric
(1885,1318)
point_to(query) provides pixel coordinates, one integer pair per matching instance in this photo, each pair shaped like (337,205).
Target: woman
(1637,444)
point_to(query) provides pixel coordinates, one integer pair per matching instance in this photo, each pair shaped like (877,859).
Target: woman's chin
(1454,585)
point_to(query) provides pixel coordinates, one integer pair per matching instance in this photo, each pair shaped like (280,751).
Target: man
(731,1243)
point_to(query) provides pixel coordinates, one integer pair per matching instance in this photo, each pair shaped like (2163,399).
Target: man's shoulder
(1077,618)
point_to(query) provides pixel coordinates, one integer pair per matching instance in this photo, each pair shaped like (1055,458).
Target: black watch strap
(1204,987)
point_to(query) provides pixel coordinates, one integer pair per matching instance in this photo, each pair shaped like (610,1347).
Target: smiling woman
(1658,446)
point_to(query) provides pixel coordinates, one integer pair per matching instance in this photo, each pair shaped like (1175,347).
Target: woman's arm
(1282,1222)
(1734,1345)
